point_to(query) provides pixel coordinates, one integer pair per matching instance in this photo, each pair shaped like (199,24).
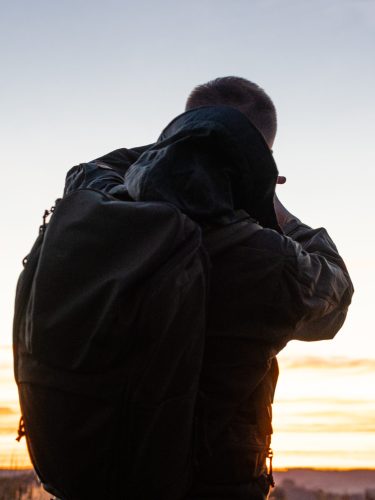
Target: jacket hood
(210,162)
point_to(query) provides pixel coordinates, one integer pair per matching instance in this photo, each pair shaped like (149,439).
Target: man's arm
(104,173)
(314,285)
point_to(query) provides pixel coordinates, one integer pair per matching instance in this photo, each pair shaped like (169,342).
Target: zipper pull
(21,429)
(42,228)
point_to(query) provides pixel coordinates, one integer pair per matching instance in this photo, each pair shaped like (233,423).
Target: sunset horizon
(310,432)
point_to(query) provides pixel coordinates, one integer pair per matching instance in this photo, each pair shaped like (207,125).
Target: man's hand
(282,214)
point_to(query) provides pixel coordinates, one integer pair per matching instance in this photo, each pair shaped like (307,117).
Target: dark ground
(290,485)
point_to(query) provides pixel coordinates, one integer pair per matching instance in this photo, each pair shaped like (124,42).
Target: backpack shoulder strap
(217,240)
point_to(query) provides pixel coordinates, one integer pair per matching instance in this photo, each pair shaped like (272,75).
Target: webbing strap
(220,239)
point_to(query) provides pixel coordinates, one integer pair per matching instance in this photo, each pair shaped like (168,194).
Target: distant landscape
(312,484)
(21,485)
(292,484)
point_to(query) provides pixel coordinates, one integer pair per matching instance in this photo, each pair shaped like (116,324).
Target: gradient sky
(81,78)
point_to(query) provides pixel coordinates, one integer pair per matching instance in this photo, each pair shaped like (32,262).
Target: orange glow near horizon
(323,414)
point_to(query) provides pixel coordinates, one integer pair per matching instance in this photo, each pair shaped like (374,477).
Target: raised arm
(314,284)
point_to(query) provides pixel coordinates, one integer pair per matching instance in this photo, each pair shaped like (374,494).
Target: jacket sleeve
(314,287)
(93,175)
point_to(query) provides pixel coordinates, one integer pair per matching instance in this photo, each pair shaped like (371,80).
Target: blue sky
(80,78)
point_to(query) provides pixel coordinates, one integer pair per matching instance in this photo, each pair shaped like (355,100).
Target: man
(283,281)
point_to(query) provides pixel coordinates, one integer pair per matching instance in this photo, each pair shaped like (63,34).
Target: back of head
(241,94)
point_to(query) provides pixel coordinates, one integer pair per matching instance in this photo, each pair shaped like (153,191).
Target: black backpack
(109,331)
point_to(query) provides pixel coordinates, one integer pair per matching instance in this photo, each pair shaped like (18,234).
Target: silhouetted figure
(195,421)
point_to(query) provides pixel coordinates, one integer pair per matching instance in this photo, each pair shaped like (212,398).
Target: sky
(81,78)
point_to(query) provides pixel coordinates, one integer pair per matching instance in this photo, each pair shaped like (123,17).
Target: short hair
(241,94)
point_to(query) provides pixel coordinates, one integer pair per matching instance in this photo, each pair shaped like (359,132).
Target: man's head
(241,94)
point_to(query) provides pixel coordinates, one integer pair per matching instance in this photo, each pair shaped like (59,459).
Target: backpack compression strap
(219,239)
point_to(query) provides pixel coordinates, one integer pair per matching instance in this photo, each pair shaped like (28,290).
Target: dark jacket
(275,286)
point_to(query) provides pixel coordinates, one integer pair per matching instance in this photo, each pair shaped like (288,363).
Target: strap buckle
(269,473)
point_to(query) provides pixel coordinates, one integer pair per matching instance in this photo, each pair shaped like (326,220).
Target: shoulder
(269,241)
(121,159)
